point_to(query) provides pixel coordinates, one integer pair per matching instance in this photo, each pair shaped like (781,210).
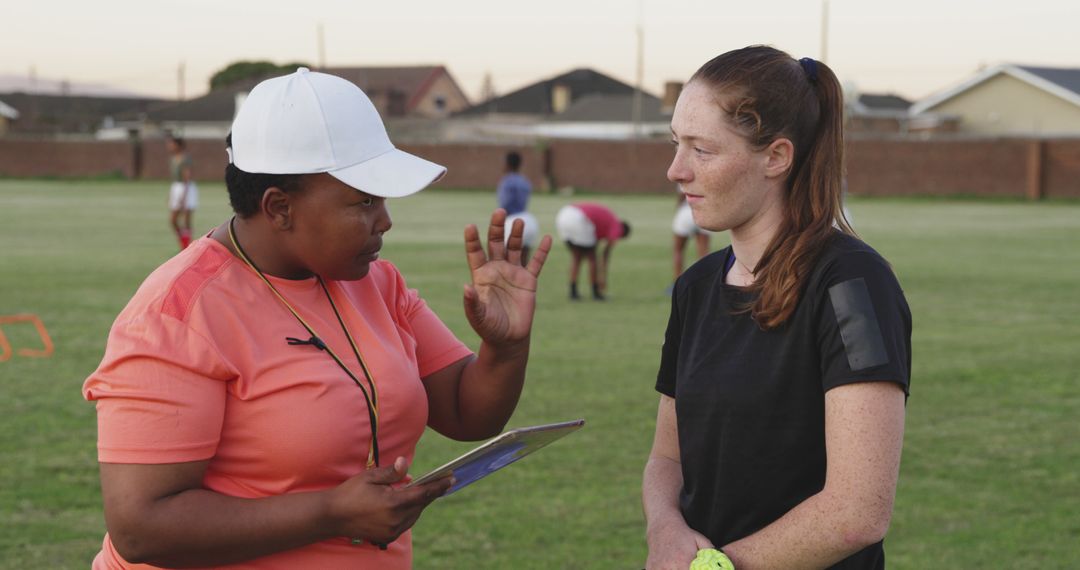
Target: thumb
(701,542)
(391,474)
(474,310)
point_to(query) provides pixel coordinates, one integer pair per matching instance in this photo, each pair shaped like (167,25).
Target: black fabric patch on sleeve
(858,324)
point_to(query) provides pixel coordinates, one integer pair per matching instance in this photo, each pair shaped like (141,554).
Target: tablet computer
(498,453)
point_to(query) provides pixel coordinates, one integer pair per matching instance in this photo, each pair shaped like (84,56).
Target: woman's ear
(277,208)
(779,157)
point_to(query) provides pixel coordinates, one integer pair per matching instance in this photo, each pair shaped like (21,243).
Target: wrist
(328,522)
(659,524)
(508,349)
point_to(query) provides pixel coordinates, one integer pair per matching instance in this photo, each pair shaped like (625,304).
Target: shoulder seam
(183,316)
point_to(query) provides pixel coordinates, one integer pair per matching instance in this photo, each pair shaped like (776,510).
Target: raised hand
(501,299)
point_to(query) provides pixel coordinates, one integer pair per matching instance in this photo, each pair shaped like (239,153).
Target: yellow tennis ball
(711,559)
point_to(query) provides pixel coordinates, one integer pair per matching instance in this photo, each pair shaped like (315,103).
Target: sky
(912,48)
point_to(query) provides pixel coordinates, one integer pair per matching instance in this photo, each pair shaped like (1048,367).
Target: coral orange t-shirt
(197,368)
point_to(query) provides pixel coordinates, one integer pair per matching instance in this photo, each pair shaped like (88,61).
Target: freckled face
(338,230)
(722,177)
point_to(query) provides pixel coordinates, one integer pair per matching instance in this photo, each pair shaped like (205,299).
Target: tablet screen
(498,453)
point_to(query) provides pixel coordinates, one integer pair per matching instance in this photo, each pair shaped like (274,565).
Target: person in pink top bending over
(261,396)
(583,226)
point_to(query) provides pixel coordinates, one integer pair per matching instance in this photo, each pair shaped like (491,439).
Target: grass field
(991,459)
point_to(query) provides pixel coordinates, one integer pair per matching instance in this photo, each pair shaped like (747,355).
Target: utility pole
(636,112)
(487,88)
(824,30)
(180,82)
(321,38)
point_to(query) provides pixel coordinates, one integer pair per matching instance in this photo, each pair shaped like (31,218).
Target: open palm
(501,300)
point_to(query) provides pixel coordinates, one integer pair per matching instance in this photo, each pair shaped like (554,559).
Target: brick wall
(603,166)
(208,159)
(988,167)
(1061,169)
(32,158)
(898,168)
(478,166)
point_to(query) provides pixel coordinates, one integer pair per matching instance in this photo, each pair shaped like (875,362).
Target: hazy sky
(912,48)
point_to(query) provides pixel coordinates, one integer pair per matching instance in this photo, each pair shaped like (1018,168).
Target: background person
(512,195)
(583,226)
(787,356)
(183,193)
(683,227)
(261,396)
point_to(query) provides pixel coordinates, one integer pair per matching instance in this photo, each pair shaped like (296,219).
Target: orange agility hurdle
(5,346)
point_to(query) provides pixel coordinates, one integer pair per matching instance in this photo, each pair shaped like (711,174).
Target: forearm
(198,527)
(819,532)
(490,387)
(660,489)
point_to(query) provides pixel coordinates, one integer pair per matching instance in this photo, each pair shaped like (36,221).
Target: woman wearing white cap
(262,394)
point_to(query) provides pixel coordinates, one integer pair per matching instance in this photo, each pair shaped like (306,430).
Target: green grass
(990,469)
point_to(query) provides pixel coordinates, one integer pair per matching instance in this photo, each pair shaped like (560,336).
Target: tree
(241,70)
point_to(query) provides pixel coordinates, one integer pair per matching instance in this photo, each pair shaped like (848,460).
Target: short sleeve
(864,325)
(669,353)
(436,345)
(160,393)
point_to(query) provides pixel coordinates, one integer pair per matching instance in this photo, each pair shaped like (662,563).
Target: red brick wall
(478,166)
(988,167)
(1061,169)
(208,160)
(898,168)
(25,158)
(611,166)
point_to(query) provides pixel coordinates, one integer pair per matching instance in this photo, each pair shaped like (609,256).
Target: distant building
(7,114)
(415,92)
(581,103)
(58,115)
(1011,100)
(551,96)
(427,91)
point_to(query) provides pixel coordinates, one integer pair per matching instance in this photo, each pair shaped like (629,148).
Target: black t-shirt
(751,403)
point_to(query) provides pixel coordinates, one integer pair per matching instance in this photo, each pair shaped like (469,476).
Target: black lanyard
(371,395)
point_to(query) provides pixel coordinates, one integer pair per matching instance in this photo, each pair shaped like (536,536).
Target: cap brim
(392,174)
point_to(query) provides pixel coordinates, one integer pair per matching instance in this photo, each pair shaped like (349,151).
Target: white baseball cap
(309,122)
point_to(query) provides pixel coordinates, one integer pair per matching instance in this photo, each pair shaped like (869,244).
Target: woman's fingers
(496,235)
(514,244)
(474,251)
(536,263)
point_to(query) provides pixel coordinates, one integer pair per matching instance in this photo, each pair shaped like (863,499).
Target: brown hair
(766,94)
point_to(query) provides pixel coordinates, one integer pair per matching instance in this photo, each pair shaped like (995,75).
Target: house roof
(1064,82)
(8,112)
(412,81)
(51,114)
(216,106)
(883,102)
(601,107)
(535,99)
(220,104)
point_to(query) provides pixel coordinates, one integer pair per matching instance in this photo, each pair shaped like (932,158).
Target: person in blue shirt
(513,195)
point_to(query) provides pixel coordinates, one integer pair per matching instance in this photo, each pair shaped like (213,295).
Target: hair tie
(809,66)
(228,152)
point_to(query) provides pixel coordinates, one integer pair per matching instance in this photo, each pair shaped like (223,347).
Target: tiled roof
(53,114)
(1065,77)
(535,99)
(600,107)
(884,102)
